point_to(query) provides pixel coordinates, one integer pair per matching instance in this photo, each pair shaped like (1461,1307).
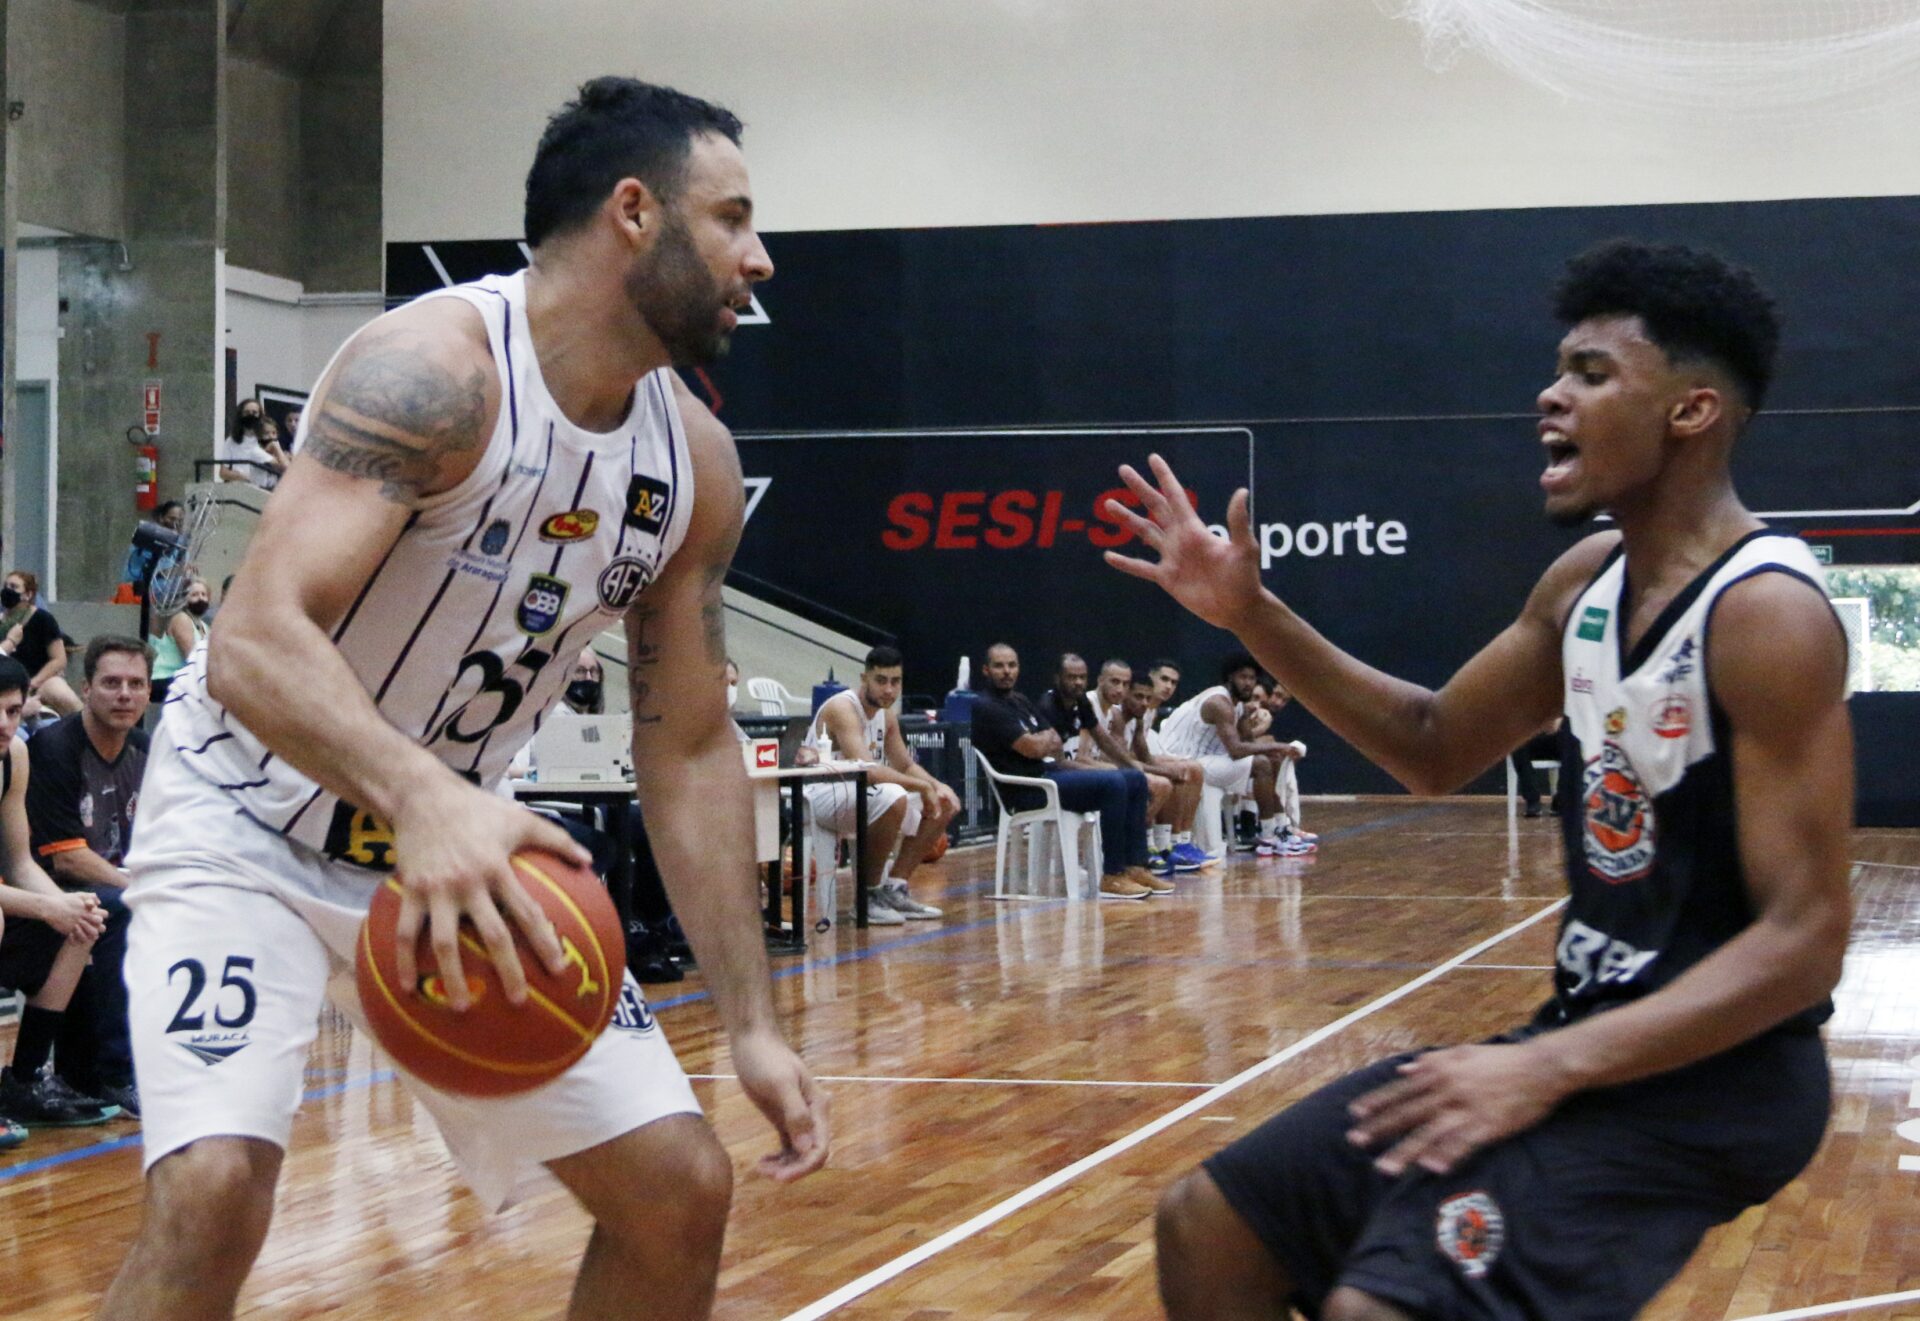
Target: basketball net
(1752,59)
(167,593)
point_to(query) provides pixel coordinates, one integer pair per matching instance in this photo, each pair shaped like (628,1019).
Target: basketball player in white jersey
(1568,1168)
(490,476)
(905,803)
(1206,728)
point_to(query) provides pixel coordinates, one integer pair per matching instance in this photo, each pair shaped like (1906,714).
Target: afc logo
(621,581)
(1619,818)
(647,501)
(632,1014)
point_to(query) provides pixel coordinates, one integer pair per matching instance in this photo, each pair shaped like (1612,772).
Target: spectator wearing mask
(80,807)
(32,636)
(246,455)
(46,938)
(586,686)
(180,632)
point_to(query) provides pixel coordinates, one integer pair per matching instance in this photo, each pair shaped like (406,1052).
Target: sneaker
(1160,862)
(647,956)
(880,911)
(11,1135)
(907,906)
(1122,887)
(1156,884)
(1307,835)
(1191,857)
(41,1103)
(125,1097)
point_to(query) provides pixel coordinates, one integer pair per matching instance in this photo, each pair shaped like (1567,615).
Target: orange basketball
(493,1048)
(938,849)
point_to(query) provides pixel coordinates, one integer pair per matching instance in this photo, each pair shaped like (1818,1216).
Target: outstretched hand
(1219,580)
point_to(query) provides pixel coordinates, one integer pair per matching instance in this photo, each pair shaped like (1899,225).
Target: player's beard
(679,298)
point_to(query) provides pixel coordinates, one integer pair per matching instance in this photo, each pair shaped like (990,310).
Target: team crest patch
(632,1013)
(540,607)
(494,539)
(1471,1230)
(621,581)
(1672,717)
(574,525)
(1617,720)
(1593,624)
(647,504)
(1619,818)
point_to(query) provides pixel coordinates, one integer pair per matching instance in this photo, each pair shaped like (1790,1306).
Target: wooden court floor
(1013,1087)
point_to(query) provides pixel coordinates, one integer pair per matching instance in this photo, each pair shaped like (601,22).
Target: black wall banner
(927,417)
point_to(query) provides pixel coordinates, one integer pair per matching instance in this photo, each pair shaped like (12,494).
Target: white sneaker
(909,907)
(880,913)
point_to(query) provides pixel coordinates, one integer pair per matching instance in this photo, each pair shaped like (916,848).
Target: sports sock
(1271,826)
(1182,837)
(38,1029)
(1162,838)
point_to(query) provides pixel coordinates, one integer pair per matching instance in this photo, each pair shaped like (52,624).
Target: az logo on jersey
(541,606)
(574,525)
(1619,818)
(647,503)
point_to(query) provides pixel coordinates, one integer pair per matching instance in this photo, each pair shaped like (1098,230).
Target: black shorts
(27,951)
(1583,1217)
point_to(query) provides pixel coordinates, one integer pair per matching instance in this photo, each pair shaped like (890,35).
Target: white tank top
(466,631)
(1186,733)
(876,727)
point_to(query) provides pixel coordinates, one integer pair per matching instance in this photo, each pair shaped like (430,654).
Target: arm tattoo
(392,413)
(642,655)
(713,615)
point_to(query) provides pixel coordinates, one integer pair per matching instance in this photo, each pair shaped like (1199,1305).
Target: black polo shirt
(1067,718)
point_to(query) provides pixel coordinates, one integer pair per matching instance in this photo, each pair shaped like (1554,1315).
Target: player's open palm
(1218,579)
(777,1081)
(453,847)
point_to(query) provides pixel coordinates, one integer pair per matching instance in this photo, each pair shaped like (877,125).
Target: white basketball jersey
(1186,733)
(876,729)
(466,631)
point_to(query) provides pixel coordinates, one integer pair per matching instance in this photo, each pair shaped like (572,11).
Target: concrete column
(9,284)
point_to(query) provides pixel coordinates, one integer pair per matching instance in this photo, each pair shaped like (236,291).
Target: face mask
(198,608)
(583,692)
(733,694)
(9,598)
(249,423)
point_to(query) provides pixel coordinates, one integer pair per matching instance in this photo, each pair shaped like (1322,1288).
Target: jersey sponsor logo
(574,525)
(1672,717)
(1681,665)
(621,581)
(1590,957)
(540,606)
(494,539)
(632,1014)
(647,503)
(1593,624)
(1617,720)
(1619,818)
(1470,1230)
(1581,683)
(357,836)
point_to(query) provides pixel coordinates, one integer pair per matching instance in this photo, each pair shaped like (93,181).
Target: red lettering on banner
(1012,527)
(1112,533)
(908,514)
(959,511)
(1049,519)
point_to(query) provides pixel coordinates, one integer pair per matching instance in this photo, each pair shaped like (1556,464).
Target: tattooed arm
(694,792)
(404,414)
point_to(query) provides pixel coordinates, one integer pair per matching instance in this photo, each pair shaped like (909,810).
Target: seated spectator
(1206,729)
(905,803)
(180,632)
(1270,698)
(586,684)
(32,636)
(46,938)
(80,805)
(244,455)
(292,437)
(1017,740)
(1166,682)
(1170,830)
(1067,707)
(1544,746)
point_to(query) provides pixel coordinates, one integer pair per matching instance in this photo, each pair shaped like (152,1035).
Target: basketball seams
(559,892)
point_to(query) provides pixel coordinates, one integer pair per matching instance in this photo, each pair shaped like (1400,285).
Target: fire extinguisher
(146,476)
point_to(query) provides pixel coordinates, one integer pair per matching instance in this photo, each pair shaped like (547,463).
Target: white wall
(882,113)
(282,336)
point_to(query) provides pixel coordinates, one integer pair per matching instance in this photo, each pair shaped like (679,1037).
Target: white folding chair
(772,695)
(1077,835)
(1513,787)
(1211,829)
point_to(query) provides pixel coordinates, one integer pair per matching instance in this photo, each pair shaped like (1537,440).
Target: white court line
(1388,898)
(1034,1192)
(1850,1305)
(1512,967)
(992,1082)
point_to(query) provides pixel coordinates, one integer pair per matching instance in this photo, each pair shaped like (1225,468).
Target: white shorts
(238,938)
(1227,774)
(832,806)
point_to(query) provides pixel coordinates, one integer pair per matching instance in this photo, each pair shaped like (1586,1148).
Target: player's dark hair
(1695,305)
(884,657)
(1237,662)
(108,644)
(1066,656)
(616,128)
(1140,677)
(1119,661)
(1173,665)
(13,677)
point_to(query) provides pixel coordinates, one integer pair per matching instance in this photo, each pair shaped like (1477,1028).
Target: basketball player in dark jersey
(1567,1169)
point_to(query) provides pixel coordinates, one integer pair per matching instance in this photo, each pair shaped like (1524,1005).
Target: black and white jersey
(1653,857)
(466,631)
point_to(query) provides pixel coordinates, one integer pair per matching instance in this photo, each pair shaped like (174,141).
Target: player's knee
(895,813)
(694,1221)
(1353,1305)
(1263,770)
(213,1200)
(1182,1222)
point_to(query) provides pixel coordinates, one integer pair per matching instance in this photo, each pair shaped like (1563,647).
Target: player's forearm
(1759,979)
(16,901)
(24,875)
(316,716)
(82,866)
(699,813)
(1113,749)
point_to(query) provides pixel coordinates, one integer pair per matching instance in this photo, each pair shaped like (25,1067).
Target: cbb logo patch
(541,606)
(1470,1231)
(1619,818)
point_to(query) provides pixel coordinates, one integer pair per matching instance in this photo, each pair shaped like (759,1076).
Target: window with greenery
(1888,655)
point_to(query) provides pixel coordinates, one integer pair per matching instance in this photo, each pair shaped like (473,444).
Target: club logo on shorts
(494,539)
(212,1048)
(621,581)
(1672,717)
(1470,1230)
(647,503)
(1619,813)
(632,1014)
(541,606)
(574,525)
(1593,624)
